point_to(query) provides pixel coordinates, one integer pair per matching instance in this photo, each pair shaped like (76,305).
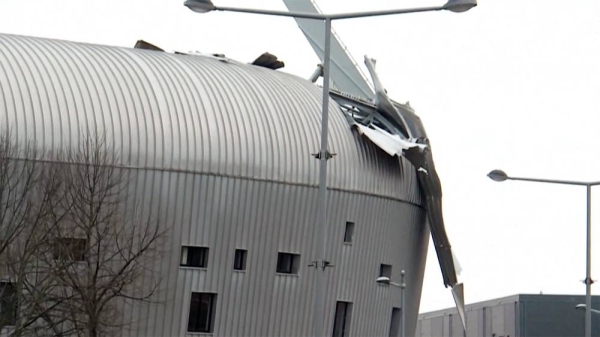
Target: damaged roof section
(397,130)
(266,60)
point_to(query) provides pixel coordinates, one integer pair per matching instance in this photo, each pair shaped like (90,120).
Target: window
(385,270)
(71,249)
(349,232)
(239,263)
(8,304)
(395,323)
(341,324)
(194,257)
(288,263)
(202,312)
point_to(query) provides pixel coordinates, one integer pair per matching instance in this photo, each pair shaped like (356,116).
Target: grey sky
(511,84)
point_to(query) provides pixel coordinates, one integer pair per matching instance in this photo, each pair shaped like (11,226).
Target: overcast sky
(511,84)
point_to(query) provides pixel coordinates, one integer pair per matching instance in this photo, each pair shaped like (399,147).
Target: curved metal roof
(191,113)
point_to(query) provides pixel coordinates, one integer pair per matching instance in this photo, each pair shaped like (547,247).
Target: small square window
(202,312)
(8,304)
(288,263)
(239,263)
(349,232)
(385,270)
(70,249)
(194,257)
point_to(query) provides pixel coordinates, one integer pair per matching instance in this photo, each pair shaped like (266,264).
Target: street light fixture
(204,6)
(584,307)
(386,280)
(200,6)
(499,176)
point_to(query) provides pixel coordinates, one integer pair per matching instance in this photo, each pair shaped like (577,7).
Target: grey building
(513,316)
(221,151)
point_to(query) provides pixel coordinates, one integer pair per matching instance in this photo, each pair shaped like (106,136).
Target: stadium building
(221,151)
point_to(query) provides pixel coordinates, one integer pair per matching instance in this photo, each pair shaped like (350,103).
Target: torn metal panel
(417,150)
(431,187)
(383,103)
(458,293)
(392,144)
(345,73)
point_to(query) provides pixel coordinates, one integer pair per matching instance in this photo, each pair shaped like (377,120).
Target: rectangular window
(288,263)
(239,263)
(70,249)
(395,322)
(194,257)
(385,270)
(202,312)
(349,232)
(8,304)
(341,324)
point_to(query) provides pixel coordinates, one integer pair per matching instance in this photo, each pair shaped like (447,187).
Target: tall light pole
(204,6)
(499,176)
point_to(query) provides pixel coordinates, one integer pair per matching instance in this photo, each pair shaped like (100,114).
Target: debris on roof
(141,44)
(268,60)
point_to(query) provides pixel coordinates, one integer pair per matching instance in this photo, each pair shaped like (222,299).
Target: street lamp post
(499,176)
(204,6)
(402,286)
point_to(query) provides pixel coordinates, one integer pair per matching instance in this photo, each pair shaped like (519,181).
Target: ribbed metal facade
(523,315)
(221,152)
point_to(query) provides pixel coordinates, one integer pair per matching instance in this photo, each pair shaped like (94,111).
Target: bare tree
(19,207)
(86,249)
(18,179)
(34,282)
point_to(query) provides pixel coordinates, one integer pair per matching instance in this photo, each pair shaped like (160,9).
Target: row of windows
(202,315)
(287,263)
(197,257)
(74,249)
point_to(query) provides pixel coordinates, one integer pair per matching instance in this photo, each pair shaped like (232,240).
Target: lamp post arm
(318,16)
(314,16)
(550,181)
(383,12)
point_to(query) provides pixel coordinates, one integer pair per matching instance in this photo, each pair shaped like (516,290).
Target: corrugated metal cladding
(513,316)
(222,152)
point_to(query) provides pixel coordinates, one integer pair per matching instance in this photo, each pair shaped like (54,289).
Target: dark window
(202,312)
(239,263)
(194,256)
(71,249)
(8,304)
(349,232)
(341,324)
(385,270)
(288,263)
(395,323)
